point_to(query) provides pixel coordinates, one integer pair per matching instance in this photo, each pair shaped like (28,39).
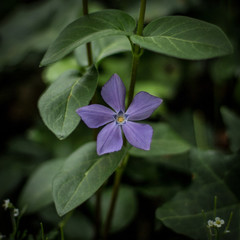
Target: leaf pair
(176,36)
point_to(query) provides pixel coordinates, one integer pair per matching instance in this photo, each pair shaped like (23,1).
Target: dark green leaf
(87,29)
(164,142)
(59,103)
(184,37)
(81,176)
(214,174)
(232,122)
(37,193)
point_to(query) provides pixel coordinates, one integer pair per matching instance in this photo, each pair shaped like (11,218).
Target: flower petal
(109,139)
(95,115)
(142,106)
(138,134)
(114,92)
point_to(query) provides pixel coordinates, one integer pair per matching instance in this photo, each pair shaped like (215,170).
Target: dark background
(26,30)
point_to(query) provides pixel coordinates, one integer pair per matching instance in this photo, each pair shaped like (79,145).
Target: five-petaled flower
(110,137)
(218,222)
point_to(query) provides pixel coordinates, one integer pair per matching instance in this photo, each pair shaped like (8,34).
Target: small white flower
(210,223)
(218,222)
(15,212)
(6,204)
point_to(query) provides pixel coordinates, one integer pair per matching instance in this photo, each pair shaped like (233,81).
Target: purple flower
(110,137)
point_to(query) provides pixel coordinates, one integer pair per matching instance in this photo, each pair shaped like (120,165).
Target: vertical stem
(63,223)
(116,185)
(95,133)
(42,231)
(14,225)
(215,207)
(136,52)
(118,175)
(88,45)
(133,76)
(98,222)
(61,232)
(228,223)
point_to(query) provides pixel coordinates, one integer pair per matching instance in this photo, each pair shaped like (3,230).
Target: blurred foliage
(198,133)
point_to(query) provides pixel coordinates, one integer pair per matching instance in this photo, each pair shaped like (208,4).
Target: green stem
(14,225)
(95,131)
(63,223)
(116,185)
(88,45)
(61,232)
(228,224)
(215,207)
(137,51)
(42,231)
(98,222)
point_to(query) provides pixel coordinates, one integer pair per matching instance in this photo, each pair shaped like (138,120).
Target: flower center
(121,118)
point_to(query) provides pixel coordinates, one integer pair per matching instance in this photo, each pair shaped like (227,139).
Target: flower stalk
(118,175)
(88,45)
(137,52)
(117,181)
(95,132)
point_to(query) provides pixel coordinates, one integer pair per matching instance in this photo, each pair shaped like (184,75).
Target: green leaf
(214,174)
(125,209)
(37,192)
(232,122)
(184,37)
(89,28)
(81,176)
(164,142)
(103,48)
(58,104)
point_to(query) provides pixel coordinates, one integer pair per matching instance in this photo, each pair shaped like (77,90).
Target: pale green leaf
(89,28)
(165,141)
(59,103)
(184,37)
(82,174)
(37,192)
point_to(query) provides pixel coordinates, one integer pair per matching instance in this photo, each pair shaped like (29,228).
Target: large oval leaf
(58,104)
(81,176)
(165,141)
(89,28)
(184,37)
